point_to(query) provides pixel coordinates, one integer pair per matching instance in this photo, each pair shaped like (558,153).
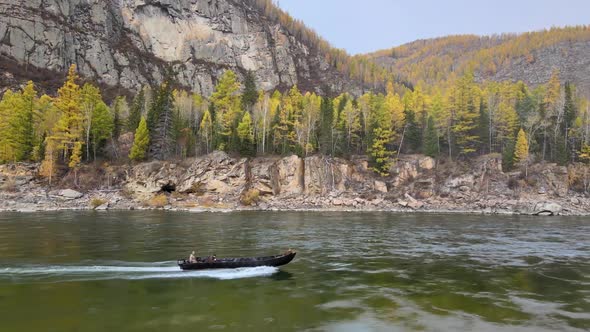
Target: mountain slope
(129,43)
(530,57)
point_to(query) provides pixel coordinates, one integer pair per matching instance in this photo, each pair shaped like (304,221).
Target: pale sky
(369,25)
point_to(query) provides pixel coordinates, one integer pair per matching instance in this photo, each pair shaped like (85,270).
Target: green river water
(116,271)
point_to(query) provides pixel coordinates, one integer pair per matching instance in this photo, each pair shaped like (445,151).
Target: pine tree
(160,123)
(431,139)
(119,109)
(483,128)
(508,156)
(25,121)
(250,95)
(326,120)
(413,135)
(102,126)
(137,111)
(141,142)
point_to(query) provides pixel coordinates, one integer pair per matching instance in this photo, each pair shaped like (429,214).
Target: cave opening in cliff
(168,188)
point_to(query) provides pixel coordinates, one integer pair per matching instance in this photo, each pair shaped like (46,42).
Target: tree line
(550,122)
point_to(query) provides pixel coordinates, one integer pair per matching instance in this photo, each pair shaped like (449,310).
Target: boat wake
(129,271)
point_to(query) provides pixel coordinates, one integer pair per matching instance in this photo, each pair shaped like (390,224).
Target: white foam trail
(99,272)
(221,274)
(85,269)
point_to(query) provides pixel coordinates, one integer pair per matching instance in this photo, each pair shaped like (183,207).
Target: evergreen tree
(483,128)
(25,134)
(508,157)
(160,123)
(141,142)
(137,111)
(119,105)
(102,126)
(413,135)
(569,109)
(250,95)
(562,156)
(431,139)
(326,120)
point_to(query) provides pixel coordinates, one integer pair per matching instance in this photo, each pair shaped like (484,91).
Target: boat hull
(234,263)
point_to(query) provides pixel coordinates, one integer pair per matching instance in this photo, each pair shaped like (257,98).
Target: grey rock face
(129,43)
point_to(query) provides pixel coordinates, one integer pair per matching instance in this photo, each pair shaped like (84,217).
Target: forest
(459,120)
(437,60)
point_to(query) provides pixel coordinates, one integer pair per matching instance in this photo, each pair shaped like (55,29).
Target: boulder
(380,186)
(103,207)
(406,171)
(415,205)
(70,194)
(546,209)
(426,163)
(465,180)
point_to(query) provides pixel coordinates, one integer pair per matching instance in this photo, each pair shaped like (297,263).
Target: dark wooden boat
(204,263)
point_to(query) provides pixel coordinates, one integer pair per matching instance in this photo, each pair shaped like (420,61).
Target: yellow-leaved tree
(521,150)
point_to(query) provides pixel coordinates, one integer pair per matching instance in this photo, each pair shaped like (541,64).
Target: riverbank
(220,183)
(69,200)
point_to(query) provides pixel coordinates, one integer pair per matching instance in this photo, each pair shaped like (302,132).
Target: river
(85,271)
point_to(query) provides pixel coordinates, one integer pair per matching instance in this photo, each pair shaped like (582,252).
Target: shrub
(9,185)
(197,188)
(531,181)
(513,183)
(158,201)
(126,193)
(96,202)
(250,197)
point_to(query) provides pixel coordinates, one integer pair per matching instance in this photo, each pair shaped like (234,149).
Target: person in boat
(191,258)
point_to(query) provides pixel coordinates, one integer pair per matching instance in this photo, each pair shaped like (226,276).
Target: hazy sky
(361,26)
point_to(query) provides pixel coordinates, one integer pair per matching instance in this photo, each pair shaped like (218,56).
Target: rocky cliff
(129,43)
(218,181)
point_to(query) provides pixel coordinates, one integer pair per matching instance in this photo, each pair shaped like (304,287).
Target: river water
(74,271)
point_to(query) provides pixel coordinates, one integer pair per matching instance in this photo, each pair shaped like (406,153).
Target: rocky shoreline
(220,183)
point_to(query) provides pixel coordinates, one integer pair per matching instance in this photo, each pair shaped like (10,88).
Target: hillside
(530,57)
(124,44)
